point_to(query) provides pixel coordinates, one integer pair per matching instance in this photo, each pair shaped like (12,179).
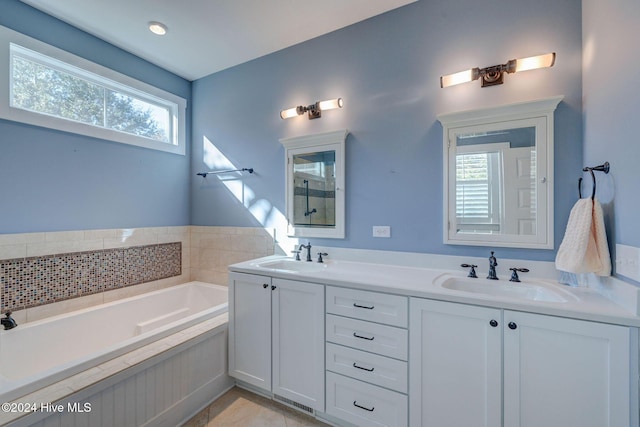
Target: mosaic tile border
(34,281)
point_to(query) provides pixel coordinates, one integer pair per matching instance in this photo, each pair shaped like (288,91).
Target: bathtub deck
(75,383)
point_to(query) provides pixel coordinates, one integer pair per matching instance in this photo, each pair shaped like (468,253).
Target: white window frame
(98,74)
(493,223)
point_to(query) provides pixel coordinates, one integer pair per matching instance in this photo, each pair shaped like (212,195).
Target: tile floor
(240,408)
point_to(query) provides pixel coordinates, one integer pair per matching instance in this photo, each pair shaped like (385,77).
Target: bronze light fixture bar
(314,110)
(494,75)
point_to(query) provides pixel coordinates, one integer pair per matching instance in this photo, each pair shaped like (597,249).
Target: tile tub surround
(213,249)
(39,280)
(43,244)
(210,248)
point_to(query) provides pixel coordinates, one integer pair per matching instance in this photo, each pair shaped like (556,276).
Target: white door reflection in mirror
(498,175)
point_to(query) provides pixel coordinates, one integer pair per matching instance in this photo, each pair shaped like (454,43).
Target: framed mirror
(498,175)
(315,184)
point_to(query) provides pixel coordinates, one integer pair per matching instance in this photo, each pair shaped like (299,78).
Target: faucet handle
(514,273)
(472,272)
(320,255)
(297,254)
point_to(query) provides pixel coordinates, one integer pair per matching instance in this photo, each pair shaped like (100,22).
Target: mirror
(314,189)
(315,184)
(498,175)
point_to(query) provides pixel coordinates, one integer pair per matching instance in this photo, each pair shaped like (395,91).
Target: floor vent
(293,404)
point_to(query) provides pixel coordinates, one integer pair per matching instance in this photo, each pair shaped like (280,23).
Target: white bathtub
(37,354)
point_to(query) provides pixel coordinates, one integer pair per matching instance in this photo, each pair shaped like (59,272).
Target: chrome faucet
(308,248)
(8,321)
(493,262)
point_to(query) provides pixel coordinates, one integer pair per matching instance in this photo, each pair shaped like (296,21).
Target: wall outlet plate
(381,231)
(628,262)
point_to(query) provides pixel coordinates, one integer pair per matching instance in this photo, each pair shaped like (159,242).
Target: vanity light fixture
(494,75)
(314,110)
(157,28)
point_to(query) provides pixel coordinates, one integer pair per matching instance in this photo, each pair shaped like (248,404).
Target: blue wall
(60,181)
(611,106)
(387,70)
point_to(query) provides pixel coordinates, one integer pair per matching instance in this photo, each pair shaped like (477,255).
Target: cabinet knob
(512,325)
(265,286)
(273,287)
(493,323)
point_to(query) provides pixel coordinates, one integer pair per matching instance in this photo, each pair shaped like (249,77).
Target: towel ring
(580,188)
(605,167)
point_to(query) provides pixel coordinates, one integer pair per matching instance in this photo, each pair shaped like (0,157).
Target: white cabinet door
(455,365)
(298,342)
(563,372)
(250,329)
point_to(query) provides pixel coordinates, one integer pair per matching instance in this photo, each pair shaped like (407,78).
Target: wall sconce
(494,75)
(314,110)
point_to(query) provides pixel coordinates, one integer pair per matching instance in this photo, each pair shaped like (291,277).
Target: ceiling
(206,36)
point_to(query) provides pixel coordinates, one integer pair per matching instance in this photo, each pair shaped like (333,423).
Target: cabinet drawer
(373,306)
(378,370)
(364,404)
(372,337)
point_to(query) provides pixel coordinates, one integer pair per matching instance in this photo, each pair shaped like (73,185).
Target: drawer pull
(363,407)
(362,337)
(364,369)
(364,306)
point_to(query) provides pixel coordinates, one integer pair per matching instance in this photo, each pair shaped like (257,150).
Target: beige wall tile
(100,234)
(21,238)
(12,239)
(61,307)
(20,316)
(64,236)
(13,251)
(129,291)
(55,247)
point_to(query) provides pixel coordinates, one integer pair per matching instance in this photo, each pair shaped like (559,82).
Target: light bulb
(533,62)
(291,112)
(330,104)
(457,78)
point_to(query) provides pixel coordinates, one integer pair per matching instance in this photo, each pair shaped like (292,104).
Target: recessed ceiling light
(157,28)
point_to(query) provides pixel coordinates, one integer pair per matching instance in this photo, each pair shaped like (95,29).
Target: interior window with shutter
(478,184)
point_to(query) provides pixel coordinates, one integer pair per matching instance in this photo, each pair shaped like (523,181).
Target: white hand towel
(584,247)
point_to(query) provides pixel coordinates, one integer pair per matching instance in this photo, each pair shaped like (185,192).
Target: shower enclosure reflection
(314,189)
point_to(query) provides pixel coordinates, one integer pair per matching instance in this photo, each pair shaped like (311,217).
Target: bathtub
(37,354)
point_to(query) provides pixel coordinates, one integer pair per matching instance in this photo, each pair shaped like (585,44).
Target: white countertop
(586,303)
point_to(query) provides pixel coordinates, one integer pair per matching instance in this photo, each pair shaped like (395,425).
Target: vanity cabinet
(367,351)
(456,365)
(474,365)
(276,337)
(579,371)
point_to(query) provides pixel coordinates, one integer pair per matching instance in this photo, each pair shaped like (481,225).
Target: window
(51,88)
(478,188)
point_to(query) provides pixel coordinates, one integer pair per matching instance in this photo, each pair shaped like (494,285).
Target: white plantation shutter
(477,191)
(472,186)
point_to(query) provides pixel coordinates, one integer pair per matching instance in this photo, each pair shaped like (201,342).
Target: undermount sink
(529,290)
(292,266)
